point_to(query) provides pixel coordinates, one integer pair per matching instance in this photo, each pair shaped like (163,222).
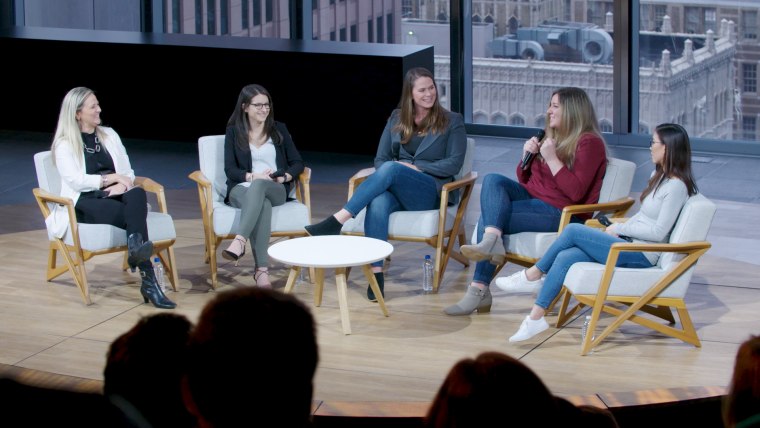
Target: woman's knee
(491,180)
(387,169)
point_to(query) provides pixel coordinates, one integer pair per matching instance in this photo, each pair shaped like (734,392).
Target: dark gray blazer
(439,155)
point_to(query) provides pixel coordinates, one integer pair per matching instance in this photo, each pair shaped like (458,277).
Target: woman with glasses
(96,174)
(260,161)
(669,187)
(422,147)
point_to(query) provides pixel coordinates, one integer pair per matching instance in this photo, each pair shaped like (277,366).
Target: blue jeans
(393,187)
(506,205)
(578,243)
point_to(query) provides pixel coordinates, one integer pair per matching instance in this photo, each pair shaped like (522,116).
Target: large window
(688,70)
(526,50)
(696,62)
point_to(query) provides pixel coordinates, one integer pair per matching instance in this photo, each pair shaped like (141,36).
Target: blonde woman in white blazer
(96,174)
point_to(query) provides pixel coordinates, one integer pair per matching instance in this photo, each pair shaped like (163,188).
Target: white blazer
(74,179)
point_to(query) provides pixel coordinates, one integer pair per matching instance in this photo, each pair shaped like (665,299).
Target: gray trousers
(255,203)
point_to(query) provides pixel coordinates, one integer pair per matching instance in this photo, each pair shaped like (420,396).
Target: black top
(96,158)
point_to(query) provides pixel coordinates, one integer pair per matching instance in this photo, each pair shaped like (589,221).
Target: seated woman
(96,174)
(669,187)
(568,170)
(260,161)
(421,149)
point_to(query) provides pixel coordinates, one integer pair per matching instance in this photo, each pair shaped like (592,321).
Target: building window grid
(749,78)
(749,128)
(749,24)
(245,10)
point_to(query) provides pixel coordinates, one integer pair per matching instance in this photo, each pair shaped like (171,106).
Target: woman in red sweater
(567,169)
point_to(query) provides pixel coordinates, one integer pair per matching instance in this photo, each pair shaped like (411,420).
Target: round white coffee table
(333,251)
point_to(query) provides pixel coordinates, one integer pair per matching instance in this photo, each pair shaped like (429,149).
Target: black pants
(127,211)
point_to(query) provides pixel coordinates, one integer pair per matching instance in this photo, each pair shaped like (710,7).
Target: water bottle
(427,277)
(584,329)
(158,270)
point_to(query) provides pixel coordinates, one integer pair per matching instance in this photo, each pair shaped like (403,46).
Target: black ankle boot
(150,289)
(138,250)
(381,284)
(328,226)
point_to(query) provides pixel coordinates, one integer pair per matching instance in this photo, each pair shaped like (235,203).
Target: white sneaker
(519,283)
(529,328)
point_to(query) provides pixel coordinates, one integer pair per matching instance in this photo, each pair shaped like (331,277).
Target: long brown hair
(239,118)
(676,162)
(436,121)
(743,398)
(578,118)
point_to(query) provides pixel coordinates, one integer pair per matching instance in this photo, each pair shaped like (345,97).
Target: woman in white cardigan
(96,174)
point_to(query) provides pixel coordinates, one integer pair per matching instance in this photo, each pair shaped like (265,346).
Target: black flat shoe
(381,284)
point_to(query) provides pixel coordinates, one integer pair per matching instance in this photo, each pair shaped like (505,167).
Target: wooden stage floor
(403,358)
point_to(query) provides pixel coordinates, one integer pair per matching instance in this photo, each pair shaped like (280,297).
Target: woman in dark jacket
(260,161)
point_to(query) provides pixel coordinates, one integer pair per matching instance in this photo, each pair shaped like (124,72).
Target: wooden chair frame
(74,256)
(444,240)
(213,240)
(648,302)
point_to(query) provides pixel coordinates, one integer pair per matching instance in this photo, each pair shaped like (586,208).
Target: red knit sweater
(579,185)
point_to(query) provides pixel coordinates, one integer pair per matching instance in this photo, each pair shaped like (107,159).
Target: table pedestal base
(342,286)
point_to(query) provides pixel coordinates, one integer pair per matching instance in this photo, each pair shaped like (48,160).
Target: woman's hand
(250,176)
(549,153)
(116,189)
(531,146)
(111,179)
(409,165)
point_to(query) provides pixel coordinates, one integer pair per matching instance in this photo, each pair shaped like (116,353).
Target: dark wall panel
(333,97)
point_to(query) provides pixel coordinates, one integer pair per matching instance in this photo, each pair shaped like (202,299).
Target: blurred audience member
(252,358)
(144,369)
(742,404)
(496,387)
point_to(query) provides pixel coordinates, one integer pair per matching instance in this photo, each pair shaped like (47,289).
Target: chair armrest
(685,247)
(618,207)
(467,180)
(357,179)
(204,195)
(199,178)
(303,189)
(44,197)
(153,187)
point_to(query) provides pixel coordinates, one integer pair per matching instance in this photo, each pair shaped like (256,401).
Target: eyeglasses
(652,142)
(95,150)
(264,106)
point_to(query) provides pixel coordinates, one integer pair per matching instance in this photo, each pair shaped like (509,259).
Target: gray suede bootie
(490,247)
(474,300)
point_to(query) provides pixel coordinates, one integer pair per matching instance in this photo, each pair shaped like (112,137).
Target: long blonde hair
(68,130)
(436,121)
(578,118)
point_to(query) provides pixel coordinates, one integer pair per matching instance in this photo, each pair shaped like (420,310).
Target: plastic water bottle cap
(156,260)
(427,257)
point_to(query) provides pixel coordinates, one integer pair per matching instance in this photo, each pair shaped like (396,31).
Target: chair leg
(212,264)
(78,271)
(170,266)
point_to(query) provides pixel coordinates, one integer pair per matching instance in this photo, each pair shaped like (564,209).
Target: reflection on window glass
(523,51)
(698,68)
(244,18)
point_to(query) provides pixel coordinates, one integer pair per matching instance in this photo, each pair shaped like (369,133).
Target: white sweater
(657,216)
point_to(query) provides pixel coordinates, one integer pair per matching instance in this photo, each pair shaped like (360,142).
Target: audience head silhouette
(496,387)
(252,357)
(143,371)
(742,404)
(489,388)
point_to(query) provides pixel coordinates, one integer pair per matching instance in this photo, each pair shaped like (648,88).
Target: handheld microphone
(528,158)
